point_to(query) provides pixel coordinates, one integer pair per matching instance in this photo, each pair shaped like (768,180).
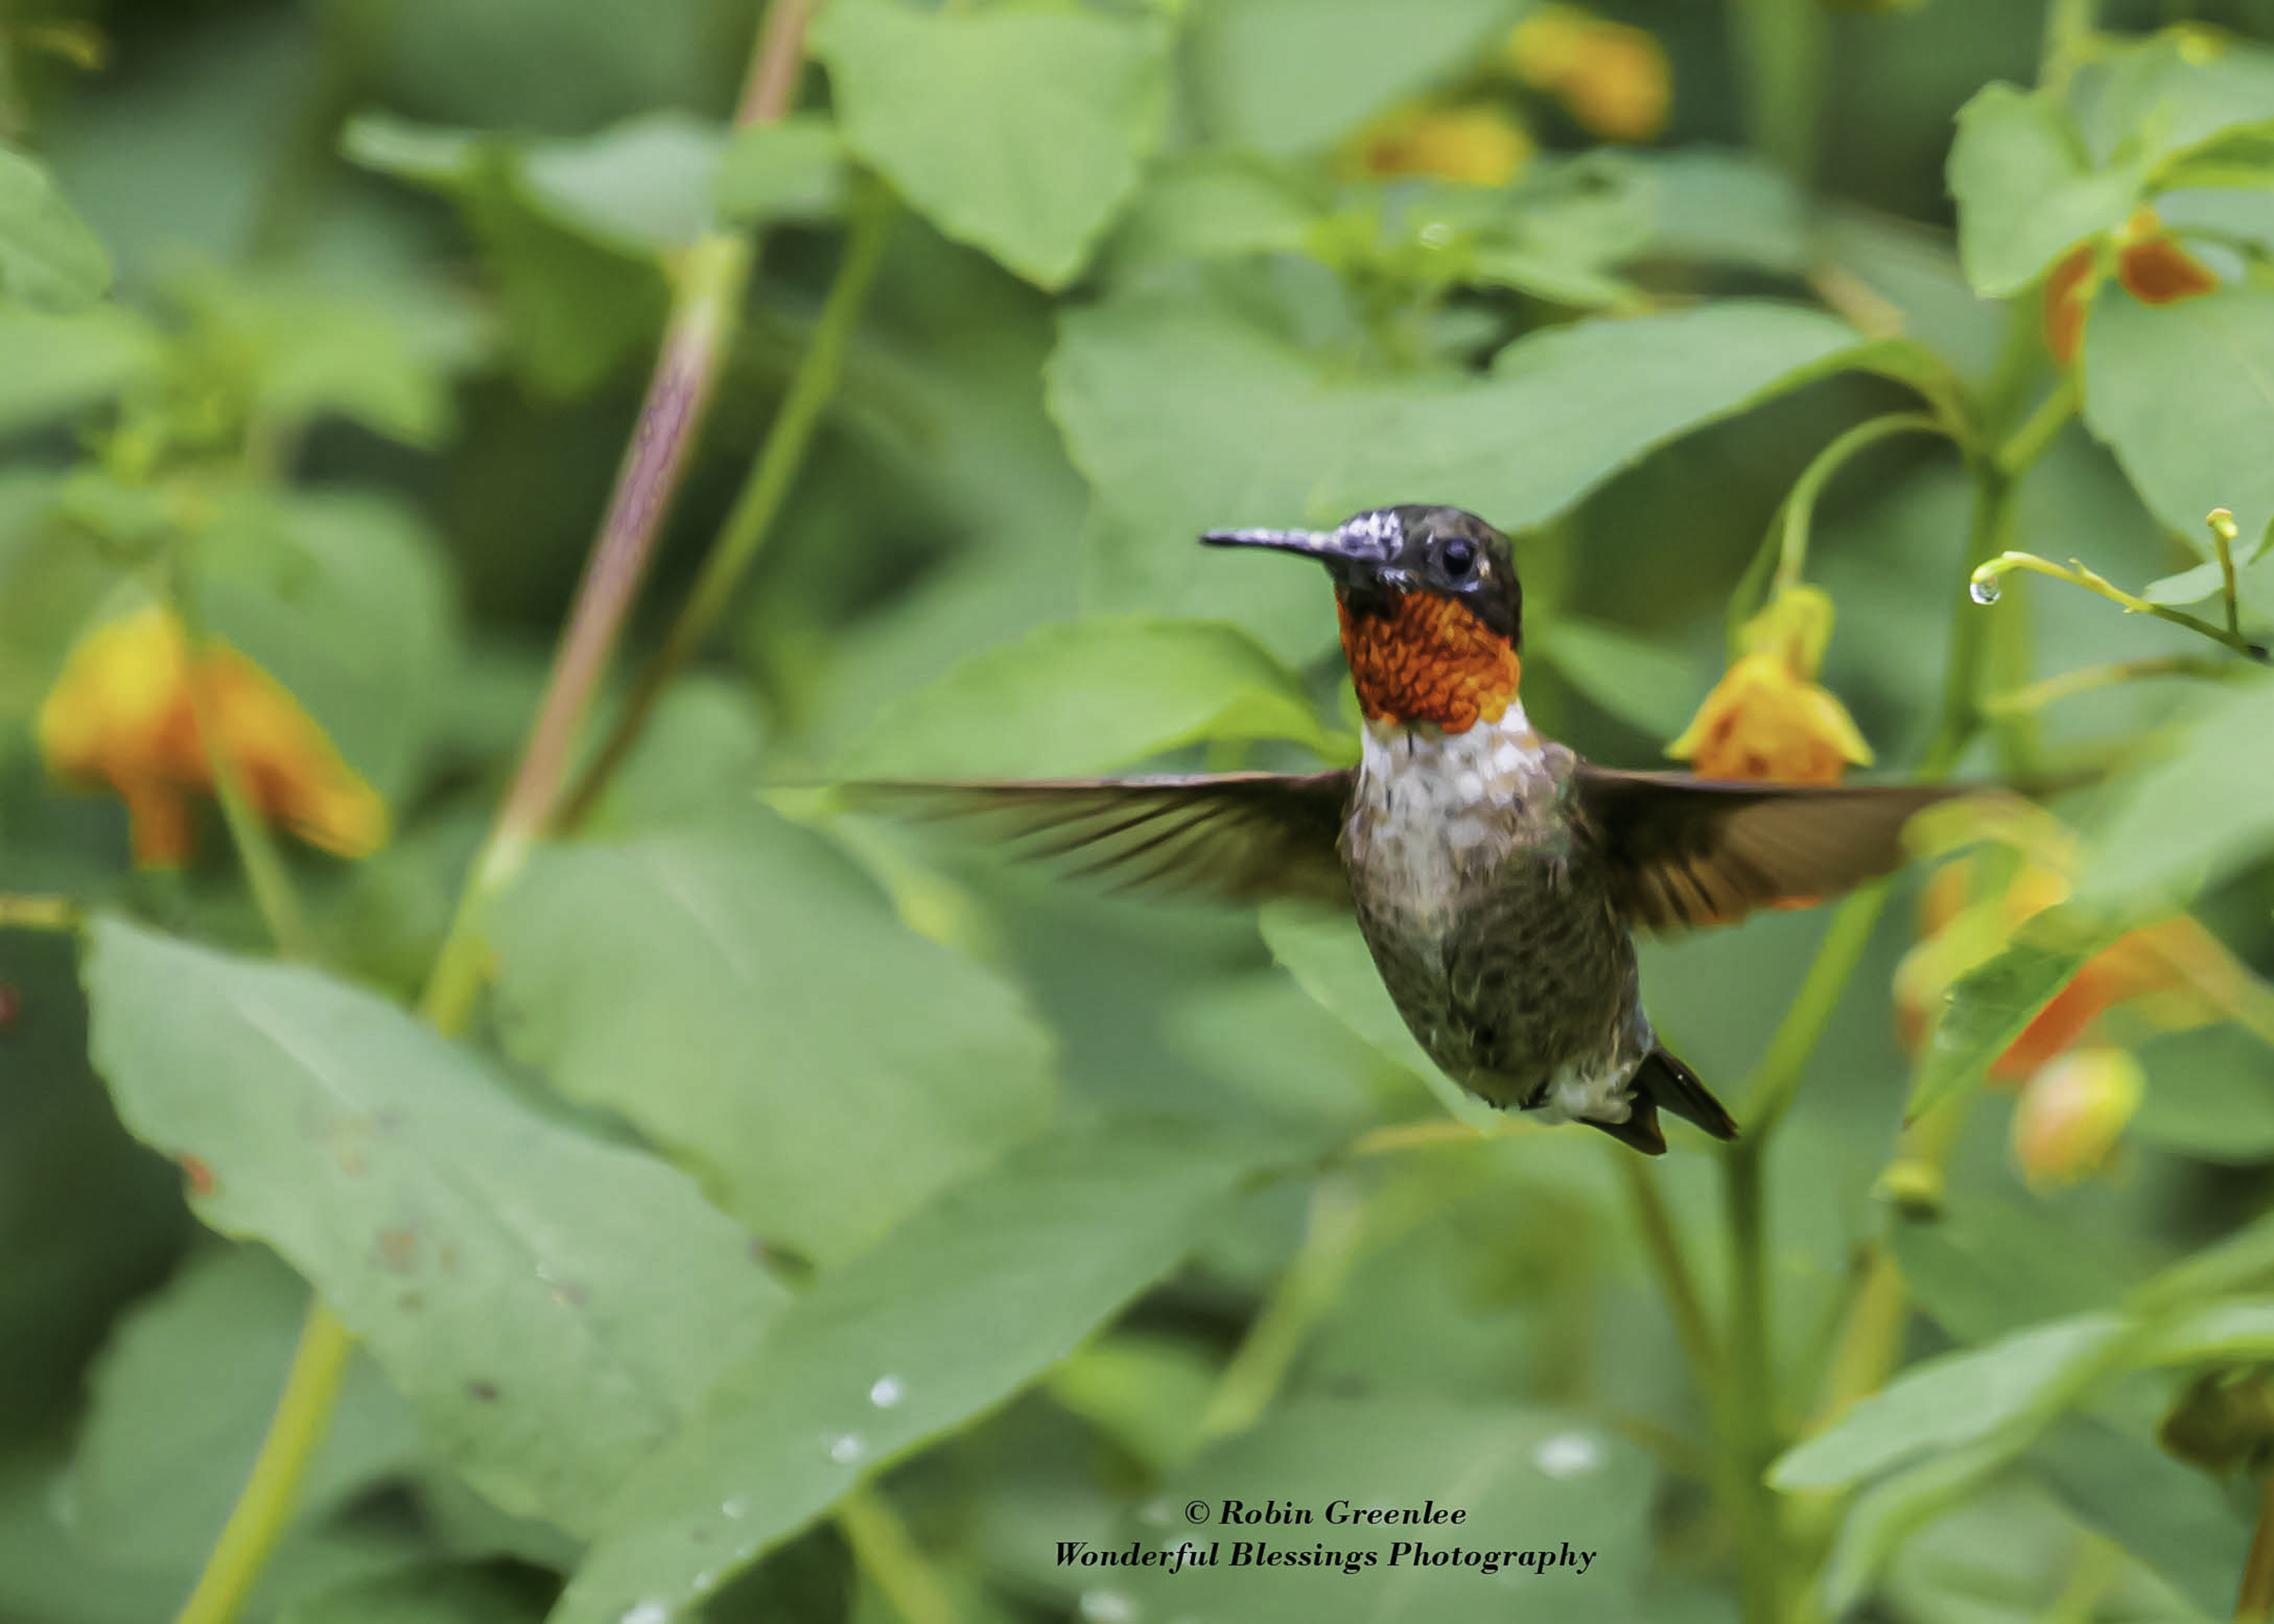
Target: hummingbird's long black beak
(1324,545)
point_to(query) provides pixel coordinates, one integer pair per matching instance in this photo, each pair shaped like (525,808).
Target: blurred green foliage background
(806,1218)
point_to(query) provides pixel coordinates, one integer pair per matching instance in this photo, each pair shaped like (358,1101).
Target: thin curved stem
(752,516)
(1984,585)
(264,1511)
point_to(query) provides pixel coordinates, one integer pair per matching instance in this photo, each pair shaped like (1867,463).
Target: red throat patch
(1428,659)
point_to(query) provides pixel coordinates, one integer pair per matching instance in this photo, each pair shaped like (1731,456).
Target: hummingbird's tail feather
(1640,1131)
(1663,1079)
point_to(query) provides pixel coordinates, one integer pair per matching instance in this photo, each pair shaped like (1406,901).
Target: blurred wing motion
(1242,836)
(1680,851)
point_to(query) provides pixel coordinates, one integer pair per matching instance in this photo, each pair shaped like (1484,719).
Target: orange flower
(2173,972)
(120,714)
(1767,718)
(2072,1112)
(2150,265)
(1480,145)
(1613,80)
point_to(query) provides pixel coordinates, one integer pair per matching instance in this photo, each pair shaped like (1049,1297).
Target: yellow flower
(1613,80)
(1481,145)
(120,714)
(1767,719)
(2072,1112)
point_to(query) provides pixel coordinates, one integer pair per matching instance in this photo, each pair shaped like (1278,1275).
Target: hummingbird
(1497,878)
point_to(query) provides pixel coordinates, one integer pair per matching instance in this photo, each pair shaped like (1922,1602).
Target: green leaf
(580,287)
(1188,419)
(1993,1003)
(430,1592)
(1955,1400)
(1643,683)
(1289,77)
(290,581)
(2184,395)
(1888,1514)
(1329,958)
(50,581)
(2188,586)
(2171,94)
(641,186)
(2169,1516)
(794,170)
(501,1266)
(1076,699)
(1214,204)
(59,366)
(2239,1331)
(962,1306)
(750,1001)
(1985,1268)
(2026,190)
(48,259)
(2195,817)
(2208,1096)
(1527,1480)
(1718,208)
(182,1398)
(1019,129)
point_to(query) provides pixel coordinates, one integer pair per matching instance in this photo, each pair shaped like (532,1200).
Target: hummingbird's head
(1432,615)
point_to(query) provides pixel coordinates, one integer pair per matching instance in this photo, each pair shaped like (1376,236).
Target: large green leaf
(2195,817)
(793,169)
(2184,395)
(1993,1003)
(48,259)
(60,365)
(1527,1481)
(1954,1401)
(1018,128)
(1290,76)
(964,1304)
(750,1003)
(1986,1269)
(2028,191)
(2166,1514)
(1188,419)
(1072,699)
(2173,94)
(183,1398)
(554,1305)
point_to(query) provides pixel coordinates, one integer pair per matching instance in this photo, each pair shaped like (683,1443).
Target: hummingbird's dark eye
(1458,558)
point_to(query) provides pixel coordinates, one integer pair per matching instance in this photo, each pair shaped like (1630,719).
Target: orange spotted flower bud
(2071,1113)
(1613,80)
(1480,145)
(121,714)
(1767,718)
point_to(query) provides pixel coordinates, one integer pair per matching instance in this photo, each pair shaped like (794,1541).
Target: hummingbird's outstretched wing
(1680,851)
(1243,836)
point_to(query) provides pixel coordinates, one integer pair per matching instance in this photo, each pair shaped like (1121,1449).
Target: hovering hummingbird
(1496,876)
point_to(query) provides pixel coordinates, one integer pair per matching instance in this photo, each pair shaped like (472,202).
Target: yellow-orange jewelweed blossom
(121,714)
(1613,80)
(1480,145)
(1767,718)
(2150,265)
(2072,1112)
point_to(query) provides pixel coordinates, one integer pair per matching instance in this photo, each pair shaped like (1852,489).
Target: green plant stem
(2038,431)
(1751,1436)
(1677,1278)
(1305,1289)
(886,1553)
(2037,695)
(22,912)
(752,516)
(2068,31)
(264,872)
(1781,50)
(2222,540)
(1783,553)
(2076,575)
(2255,1604)
(264,1510)
(351,36)
(693,349)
